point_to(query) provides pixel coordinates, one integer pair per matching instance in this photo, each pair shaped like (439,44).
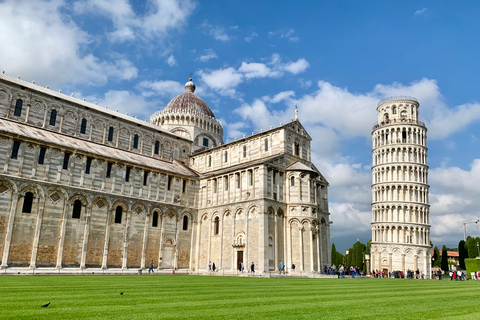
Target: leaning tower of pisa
(400,209)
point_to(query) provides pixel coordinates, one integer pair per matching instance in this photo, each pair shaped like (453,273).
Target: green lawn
(197,297)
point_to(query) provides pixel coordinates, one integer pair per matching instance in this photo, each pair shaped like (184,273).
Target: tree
(435,258)
(472,246)
(334,254)
(462,252)
(444,265)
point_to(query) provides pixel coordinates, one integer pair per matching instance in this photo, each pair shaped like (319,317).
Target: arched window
(18,108)
(185,223)
(266,144)
(135,142)
(157,147)
(394,110)
(244,151)
(27,203)
(216,225)
(110,134)
(118,214)
(155,219)
(209,161)
(225,156)
(83,126)
(77,209)
(292,181)
(53,117)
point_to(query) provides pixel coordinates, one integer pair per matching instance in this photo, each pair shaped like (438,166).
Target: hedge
(472,265)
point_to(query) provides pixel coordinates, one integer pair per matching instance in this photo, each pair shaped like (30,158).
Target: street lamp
(478,248)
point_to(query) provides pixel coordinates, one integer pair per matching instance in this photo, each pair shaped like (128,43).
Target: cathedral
(86,188)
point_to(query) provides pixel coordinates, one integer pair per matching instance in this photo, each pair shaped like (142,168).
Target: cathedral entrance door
(239,259)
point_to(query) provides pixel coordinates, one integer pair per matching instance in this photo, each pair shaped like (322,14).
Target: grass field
(197,297)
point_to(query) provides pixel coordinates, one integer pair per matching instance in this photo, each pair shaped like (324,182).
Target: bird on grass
(46,305)
(121,293)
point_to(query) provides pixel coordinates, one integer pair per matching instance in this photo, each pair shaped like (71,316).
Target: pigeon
(121,293)
(46,305)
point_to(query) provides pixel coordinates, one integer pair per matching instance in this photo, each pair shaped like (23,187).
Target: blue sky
(253,61)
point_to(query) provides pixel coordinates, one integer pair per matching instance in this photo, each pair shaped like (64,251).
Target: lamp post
(478,248)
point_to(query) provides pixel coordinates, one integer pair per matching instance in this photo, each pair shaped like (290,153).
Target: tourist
(151,267)
(293,267)
(213,266)
(252,267)
(210,266)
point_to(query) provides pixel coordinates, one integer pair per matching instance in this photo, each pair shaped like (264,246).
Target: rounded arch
(7,184)
(36,190)
(169,241)
(119,203)
(280,212)
(293,222)
(79,196)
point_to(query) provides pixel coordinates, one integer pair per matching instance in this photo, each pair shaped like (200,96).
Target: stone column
(29,105)
(177,237)
(415,263)
(86,233)
(192,243)
(197,244)
(403,263)
(288,256)
(275,226)
(62,234)
(107,239)
(312,267)
(319,250)
(36,237)
(209,240)
(125,240)
(390,262)
(245,257)
(160,250)
(302,262)
(221,240)
(8,236)
(145,241)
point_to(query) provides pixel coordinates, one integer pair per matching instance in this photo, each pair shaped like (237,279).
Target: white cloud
(252,36)
(286,33)
(171,61)
(223,80)
(227,79)
(297,67)
(305,84)
(47,46)
(209,54)
(216,31)
(420,12)
(126,102)
(257,70)
(160,18)
(282,96)
(166,88)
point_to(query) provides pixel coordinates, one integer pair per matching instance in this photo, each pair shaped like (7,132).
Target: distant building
(400,207)
(86,187)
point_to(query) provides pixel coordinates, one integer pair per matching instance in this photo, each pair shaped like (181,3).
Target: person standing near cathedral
(252,267)
(151,267)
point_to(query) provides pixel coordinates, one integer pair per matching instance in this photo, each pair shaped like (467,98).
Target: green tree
(436,258)
(333,254)
(471,245)
(444,265)
(461,254)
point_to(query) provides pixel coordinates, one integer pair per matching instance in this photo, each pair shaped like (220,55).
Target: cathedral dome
(189,103)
